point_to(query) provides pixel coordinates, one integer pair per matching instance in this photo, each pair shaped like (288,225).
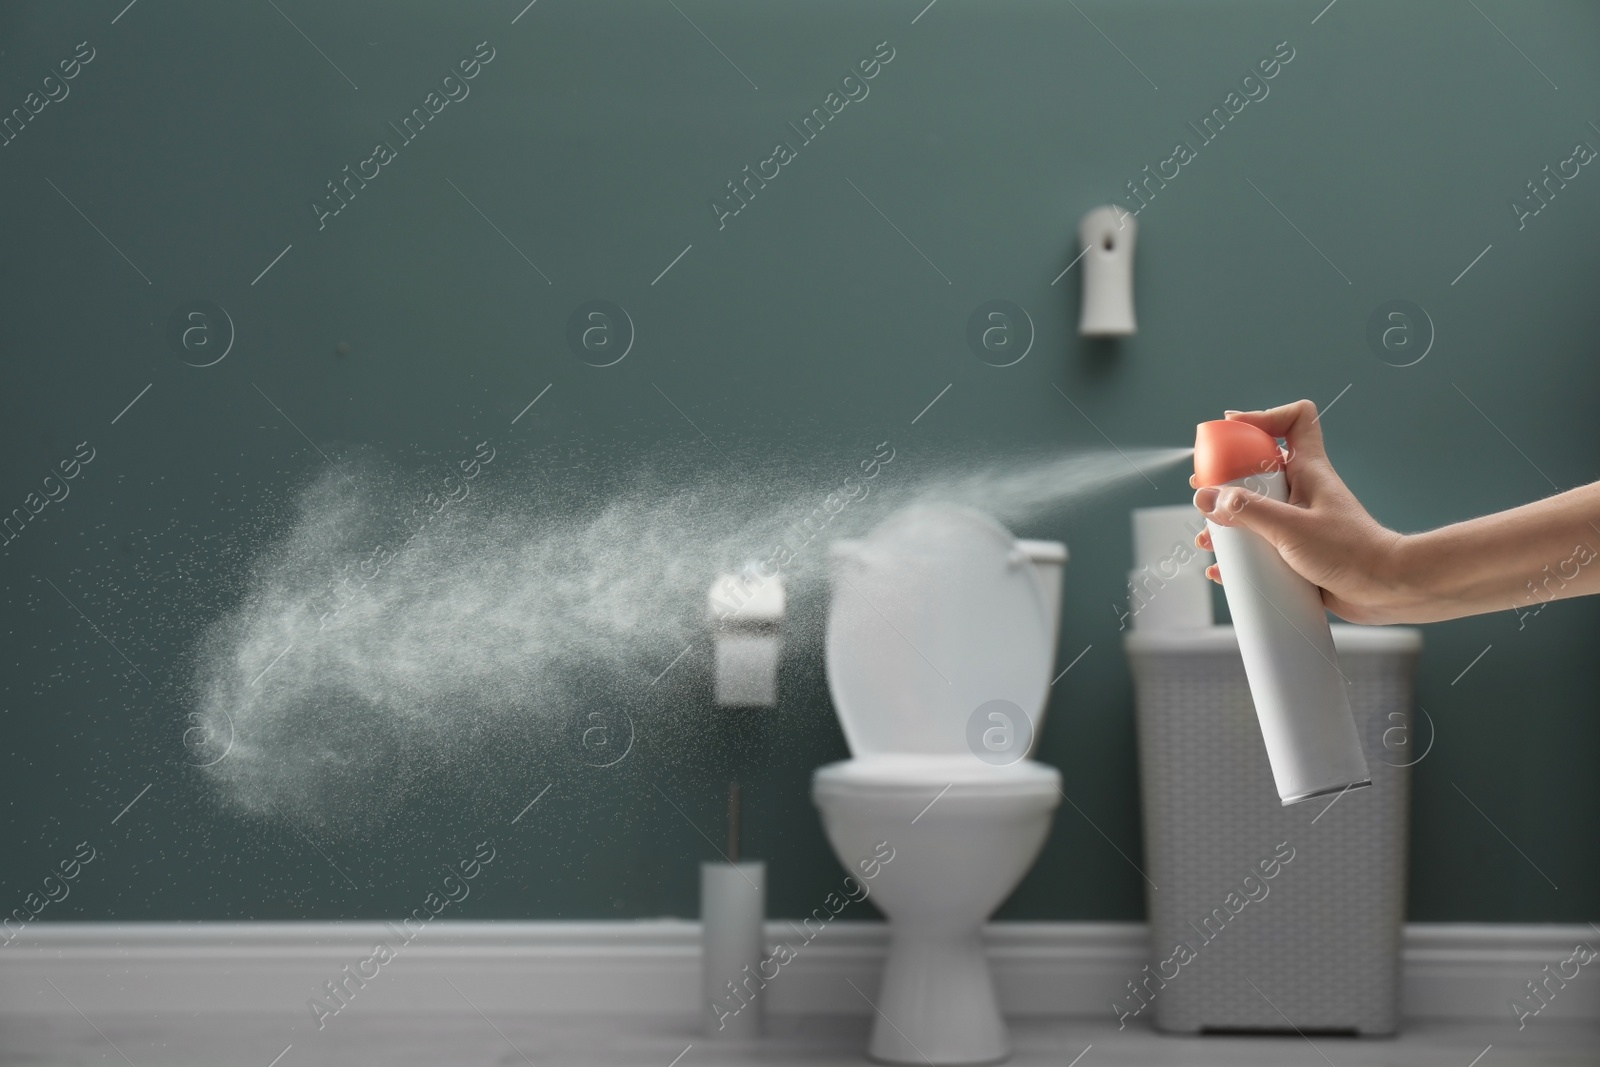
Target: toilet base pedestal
(937,1004)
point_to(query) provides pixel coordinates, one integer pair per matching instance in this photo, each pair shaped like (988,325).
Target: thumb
(1276,520)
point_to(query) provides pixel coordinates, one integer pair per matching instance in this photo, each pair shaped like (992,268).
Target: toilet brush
(732,907)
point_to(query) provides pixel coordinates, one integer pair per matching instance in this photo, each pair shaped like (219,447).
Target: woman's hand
(1322,532)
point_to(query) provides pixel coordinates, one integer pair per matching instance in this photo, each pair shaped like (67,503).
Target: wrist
(1418,569)
(1433,572)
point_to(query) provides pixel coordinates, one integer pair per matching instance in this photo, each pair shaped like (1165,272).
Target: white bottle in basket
(1282,627)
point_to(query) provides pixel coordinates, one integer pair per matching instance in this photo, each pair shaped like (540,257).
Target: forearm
(1516,559)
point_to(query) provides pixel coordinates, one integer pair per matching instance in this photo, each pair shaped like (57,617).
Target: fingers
(1296,423)
(1202,540)
(1278,521)
(1214,574)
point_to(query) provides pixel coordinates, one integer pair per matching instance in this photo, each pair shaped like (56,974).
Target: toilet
(940,641)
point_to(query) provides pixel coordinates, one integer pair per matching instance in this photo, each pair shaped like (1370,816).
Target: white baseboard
(1451,971)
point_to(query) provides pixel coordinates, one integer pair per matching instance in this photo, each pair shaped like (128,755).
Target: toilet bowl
(941,635)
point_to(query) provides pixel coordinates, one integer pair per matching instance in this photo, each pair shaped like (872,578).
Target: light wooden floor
(599,1041)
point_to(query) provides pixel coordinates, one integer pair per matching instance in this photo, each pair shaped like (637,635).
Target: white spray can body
(1300,693)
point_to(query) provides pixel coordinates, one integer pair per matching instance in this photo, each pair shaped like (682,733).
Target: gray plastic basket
(1318,950)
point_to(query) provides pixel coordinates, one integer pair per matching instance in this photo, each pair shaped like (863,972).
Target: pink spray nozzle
(1225,451)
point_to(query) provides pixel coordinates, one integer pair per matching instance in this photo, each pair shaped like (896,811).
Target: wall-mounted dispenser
(1107,237)
(746,613)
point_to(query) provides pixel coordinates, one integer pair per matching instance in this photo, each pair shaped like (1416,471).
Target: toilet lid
(934,615)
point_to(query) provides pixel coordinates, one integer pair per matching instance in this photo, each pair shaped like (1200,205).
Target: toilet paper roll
(746,672)
(1182,602)
(1163,540)
(733,903)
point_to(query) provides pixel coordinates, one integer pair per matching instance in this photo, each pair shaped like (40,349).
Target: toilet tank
(1049,558)
(896,707)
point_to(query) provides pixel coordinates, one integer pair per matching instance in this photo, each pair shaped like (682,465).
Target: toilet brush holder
(733,898)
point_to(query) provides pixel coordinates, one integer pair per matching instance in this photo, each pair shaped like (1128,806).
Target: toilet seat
(926,776)
(907,680)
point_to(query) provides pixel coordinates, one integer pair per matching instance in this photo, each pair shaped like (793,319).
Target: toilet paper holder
(746,612)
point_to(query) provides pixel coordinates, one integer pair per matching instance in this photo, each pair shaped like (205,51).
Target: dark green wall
(199,135)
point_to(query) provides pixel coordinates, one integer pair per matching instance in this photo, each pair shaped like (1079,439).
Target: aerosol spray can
(1282,627)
